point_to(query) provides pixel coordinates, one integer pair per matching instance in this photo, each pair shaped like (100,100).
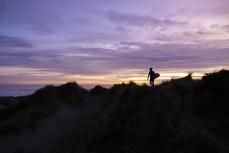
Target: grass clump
(172,117)
(98,90)
(44,102)
(178,116)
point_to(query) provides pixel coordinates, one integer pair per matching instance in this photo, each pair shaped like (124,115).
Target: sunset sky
(110,41)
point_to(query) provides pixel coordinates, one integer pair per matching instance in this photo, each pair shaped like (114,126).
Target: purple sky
(110,41)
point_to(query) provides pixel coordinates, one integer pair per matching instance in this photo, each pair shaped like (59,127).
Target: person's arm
(148,77)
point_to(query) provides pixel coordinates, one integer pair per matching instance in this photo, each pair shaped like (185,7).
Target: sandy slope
(39,139)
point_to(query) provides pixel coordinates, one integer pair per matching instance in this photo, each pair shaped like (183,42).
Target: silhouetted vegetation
(8,101)
(177,116)
(211,102)
(98,90)
(44,102)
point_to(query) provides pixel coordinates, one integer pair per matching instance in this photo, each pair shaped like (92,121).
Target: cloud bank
(71,40)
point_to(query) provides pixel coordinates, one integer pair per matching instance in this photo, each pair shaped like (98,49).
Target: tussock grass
(98,90)
(8,101)
(172,117)
(178,116)
(44,102)
(72,94)
(211,94)
(211,101)
(133,114)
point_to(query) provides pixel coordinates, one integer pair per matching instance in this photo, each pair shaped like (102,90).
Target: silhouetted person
(151,75)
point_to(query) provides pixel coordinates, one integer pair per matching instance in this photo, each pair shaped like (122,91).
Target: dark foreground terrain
(178,116)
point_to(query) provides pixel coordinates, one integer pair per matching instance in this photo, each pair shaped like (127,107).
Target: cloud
(78,39)
(221,27)
(7,41)
(86,62)
(129,19)
(220,9)
(124,55)
(226,28)
(25,15)
(121,29)
(40,25)
(185,36)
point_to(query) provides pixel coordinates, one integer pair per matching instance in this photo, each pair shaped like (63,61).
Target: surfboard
(156,75)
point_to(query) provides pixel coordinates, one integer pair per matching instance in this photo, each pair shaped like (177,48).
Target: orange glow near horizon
(37,77)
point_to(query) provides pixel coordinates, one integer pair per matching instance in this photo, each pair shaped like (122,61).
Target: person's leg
(152,82)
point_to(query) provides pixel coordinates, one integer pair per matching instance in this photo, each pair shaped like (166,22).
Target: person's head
(151,69)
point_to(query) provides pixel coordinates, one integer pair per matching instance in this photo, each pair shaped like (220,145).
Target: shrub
(98,90)
(71,93)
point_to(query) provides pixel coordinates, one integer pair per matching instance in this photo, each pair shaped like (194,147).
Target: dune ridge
(180,115)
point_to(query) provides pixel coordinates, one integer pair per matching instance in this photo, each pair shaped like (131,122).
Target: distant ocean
(24,90)
(18,90)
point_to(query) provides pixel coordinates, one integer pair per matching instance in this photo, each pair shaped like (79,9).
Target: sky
(110,41)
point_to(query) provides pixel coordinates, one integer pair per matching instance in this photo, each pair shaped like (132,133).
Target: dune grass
(174,117)
(177,116)
(44,102)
